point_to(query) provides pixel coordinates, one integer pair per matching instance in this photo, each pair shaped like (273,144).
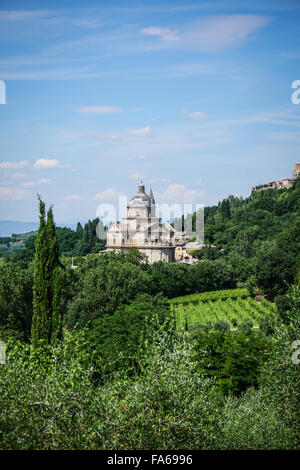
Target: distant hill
(7,227)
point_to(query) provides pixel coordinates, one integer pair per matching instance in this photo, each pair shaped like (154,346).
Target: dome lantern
(141,188)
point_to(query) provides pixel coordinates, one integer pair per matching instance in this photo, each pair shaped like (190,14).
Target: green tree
(225,209)
(233,358)
(106,282)
(46,321)
(274,266)
(118,338)
(24,257)
(16,299)
(79,228)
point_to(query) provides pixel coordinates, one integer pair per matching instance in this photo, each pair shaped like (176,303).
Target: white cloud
(51,74)
(15,175)
(50,18)
(137,176)
(157,180)
(22,15)
(194,70)
(113,137)
(212,33)
(216,33)
(197,115)
(14,165)
(72,197)
(178,193)
(27,184)
(143,132)
(108,195)
(12,193)
(44,181)
(165,34)
(268,119)
(284,137)
(99,109)
(143,157)
(48,164)
(30,184)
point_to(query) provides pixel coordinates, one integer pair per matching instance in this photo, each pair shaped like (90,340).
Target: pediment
(152,226)
(166,227)
(114,228)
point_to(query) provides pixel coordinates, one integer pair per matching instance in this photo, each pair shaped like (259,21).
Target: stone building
(185,249)
(285,183)
(141,229)
(296,172)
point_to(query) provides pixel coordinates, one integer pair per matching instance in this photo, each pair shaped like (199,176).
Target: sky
(192,97)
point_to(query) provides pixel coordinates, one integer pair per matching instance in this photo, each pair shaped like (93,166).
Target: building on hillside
(296,172)
(141,229)
(185,250)
(285,183)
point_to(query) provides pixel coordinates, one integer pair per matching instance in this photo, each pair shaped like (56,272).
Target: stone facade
(141,229)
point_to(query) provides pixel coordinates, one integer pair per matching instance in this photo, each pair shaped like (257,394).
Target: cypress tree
(46,321)
(186,326)
(79,228)
(84,247)
(54,266)
(41,307)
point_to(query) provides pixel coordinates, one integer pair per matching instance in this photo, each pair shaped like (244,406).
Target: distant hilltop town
(285,183)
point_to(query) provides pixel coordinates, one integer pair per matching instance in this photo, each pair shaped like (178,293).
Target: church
(141,229)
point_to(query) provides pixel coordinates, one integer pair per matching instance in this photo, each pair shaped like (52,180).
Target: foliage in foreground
(233,358)
(117,338)
(51,400)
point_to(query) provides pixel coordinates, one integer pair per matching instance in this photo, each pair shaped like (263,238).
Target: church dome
(141,198)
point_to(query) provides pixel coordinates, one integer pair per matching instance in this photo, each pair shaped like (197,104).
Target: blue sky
(192,97)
